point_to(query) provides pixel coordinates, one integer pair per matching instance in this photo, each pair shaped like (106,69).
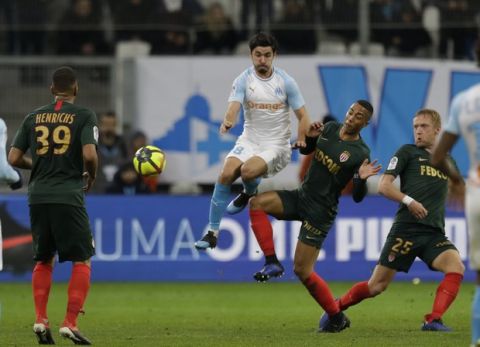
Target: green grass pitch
(233,314)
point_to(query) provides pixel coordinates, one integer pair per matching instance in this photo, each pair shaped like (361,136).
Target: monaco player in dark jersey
(339,155)
(418,228)
(62,139)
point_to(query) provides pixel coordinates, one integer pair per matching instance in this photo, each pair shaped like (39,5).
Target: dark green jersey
(55,135)
(420,180)
(334,163)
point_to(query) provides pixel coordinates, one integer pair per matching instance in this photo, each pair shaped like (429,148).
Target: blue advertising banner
(151,238)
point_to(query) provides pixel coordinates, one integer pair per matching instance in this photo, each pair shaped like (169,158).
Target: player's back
(55,135)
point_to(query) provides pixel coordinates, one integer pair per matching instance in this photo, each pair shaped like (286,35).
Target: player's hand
(299,144)
(456,195)
(88,181)
(225,126)
(368,169)
(315,129)
(417,210)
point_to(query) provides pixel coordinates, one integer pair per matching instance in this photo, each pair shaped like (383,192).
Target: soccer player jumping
(418,228)
(339,155)
(266,93)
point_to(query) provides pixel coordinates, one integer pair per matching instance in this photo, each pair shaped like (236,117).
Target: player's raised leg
(218,202)
(251,172)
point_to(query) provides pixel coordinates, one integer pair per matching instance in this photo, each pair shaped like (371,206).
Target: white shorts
(472,212)
(275,156)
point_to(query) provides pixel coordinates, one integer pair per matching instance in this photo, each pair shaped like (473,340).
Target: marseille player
(339,155)
(418,227)
(7,173)
(62,139)
(464,120)
(266,93)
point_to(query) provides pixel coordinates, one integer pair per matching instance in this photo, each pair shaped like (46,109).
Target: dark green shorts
(405,242)
(315,224)
(61,228)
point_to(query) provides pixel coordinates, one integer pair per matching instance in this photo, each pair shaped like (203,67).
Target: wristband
(407,200)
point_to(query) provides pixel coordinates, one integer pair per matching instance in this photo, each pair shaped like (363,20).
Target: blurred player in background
(266,93)
(464,120)
(418,228)
(62,139)
(339,155)
(8,174)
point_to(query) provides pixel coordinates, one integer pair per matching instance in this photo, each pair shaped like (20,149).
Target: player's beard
(262,69)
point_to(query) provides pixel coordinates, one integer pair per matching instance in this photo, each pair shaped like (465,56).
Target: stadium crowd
(425,28)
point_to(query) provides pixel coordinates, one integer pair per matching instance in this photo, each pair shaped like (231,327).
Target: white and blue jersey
(266,105)
(464,120)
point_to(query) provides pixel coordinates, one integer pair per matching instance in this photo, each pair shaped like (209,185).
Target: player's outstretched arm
(366,170)
(16,157)
(230,116)
(303,127)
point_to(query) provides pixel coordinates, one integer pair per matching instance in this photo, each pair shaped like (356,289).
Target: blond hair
(434,116)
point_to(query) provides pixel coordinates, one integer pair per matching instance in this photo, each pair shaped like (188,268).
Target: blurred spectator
(458,28)
(294,31)
(31,23)
(383,13)
(7,20)
(133,19)
(137,140)
(410,37)
(216,33)
(172,25)
(255,15)
(112,151)
(340,18)
(80,30)
(127,181)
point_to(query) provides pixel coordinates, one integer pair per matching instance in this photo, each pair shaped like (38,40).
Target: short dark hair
(262,39)
(64,79)
(366,105)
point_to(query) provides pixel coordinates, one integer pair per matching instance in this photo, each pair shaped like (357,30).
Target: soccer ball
(149,161)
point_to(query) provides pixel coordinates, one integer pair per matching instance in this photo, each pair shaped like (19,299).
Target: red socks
(77,293)
(262,228)
(356,294)
(41,284)
(446,293)
(320,291)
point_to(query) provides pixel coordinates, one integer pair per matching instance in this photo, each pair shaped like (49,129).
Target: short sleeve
(398,162)
(453,125)
(90,130)
(238,88)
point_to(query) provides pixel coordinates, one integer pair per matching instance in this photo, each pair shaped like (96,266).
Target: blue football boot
(268,271)
(334,324)
(435,325)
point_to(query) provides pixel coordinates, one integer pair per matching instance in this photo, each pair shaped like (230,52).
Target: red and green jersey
(55,134)
(420,180)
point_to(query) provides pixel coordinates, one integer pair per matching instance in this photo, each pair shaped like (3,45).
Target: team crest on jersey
(278,91)
(391,257)
(344,156)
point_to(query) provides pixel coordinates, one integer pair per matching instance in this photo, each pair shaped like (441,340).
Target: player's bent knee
(377,288)
(248,174)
